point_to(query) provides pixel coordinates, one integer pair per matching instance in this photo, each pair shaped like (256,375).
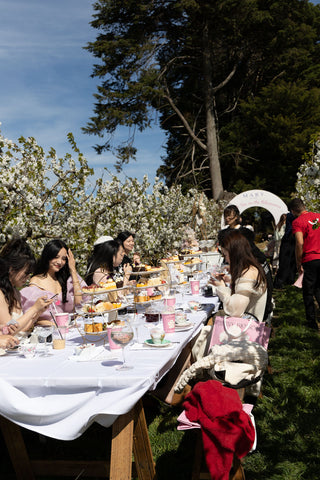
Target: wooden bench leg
(237,471)
(17,450)
(200,471)
(198,457)
(121,447)
(143,458)
(130,435)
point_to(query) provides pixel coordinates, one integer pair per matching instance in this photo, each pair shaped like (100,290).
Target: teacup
(28,350)
(157,335)
(181,318)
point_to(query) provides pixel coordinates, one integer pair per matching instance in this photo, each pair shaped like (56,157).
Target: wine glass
(136,320)
(183,289)
(44,332)
(122,334)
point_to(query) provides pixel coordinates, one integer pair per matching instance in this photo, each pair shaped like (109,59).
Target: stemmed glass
(135,320)
(122,334)
(219,271)
(44,332)
(183,289)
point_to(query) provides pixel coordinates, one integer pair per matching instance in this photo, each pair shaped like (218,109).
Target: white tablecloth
(60,398)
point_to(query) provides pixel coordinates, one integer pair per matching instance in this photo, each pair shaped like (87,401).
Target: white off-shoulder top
(245,299)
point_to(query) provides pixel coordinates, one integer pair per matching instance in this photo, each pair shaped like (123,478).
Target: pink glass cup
(168,321)
(195,287)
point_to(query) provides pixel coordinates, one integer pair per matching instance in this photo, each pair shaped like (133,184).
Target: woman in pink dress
(55,275)
(16,265)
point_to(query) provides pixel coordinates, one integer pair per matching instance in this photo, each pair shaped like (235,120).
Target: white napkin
(93,354)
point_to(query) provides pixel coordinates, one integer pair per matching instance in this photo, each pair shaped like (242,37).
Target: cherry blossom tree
(308,183)
(44,197)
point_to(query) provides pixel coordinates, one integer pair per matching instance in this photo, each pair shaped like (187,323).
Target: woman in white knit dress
(247,291)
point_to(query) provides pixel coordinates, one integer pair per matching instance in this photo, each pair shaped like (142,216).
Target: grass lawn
(287,415)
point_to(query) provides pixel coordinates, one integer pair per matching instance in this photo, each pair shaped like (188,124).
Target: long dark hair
(282,221)
(122,236)
(232,209)
(50,251)
(15,256)
(241,258)
(102,257)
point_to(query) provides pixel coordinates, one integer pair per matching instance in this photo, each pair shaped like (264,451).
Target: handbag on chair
(226,329)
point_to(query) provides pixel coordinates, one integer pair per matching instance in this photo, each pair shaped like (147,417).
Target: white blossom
(308,183)
(43,196)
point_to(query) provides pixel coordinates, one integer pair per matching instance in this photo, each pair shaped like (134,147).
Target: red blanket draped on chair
(226,428)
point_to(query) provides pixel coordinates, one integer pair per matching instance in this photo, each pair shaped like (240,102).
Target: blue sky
(45,86)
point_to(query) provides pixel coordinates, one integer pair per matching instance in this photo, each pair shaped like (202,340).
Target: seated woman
(55,274)
(232,219)
(16,264)
(248,287)
(127,241)
(103,262)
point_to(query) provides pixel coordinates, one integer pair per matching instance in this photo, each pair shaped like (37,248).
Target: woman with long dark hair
(102,263)
(55,274)
(248,287)
(16,265)
(127,240)
(278,234)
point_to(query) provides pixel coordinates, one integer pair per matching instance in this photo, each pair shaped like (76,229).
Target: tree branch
(184,121)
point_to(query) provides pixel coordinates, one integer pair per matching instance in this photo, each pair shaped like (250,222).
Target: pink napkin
(185,424)
(298,282)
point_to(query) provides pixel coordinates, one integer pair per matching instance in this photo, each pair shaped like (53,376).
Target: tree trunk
(211,126)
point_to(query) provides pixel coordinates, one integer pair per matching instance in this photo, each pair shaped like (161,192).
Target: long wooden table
(25,388)
(129,437)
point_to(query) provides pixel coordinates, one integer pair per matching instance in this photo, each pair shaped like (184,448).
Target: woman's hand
(127,268)
(9,329)
(71,261)
(7,341)
(217,281)
(42,304)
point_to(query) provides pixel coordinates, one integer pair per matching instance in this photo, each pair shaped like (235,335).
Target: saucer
(149,342)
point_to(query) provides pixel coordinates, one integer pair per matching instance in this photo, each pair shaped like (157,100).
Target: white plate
(144,287)
(191,264)
(13,350)
(183,326)
(198,309)
(150,343)
(92,314)
(94,336)
(148,301)
(148,272)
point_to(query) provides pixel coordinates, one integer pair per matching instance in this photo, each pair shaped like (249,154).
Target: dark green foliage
(246,71)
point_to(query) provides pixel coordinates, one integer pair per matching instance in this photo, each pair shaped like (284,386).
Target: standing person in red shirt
(306,229)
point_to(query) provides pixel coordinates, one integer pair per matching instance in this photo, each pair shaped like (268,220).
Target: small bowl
(194,306)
